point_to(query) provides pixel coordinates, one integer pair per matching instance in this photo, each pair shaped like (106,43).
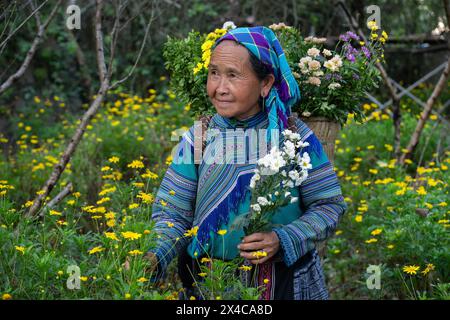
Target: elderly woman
(251,86)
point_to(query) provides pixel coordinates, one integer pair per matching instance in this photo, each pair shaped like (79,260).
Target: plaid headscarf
(263,43)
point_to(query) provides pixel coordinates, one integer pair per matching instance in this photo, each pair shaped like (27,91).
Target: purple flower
(355,76)
(366,52)
(344,37)
(352,35)
(350,57)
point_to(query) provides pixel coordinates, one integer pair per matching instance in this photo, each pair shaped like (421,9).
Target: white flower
(302,144)
(305,161)
(272,162)
(306,113)
(289,149)
(334,85)
(283,173)
(327,53)
(263,201)
(277,193)
(333,64)
(294,199)
(256,207)
(229,25)
(287,194)
(314,65)
(313,52)
(318,73)
(287,133)
(294,175)
(314,81)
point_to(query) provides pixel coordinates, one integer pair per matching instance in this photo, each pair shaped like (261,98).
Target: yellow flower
(421,191)
(142,280)
(136,164)
(135,252)
(21,249)
(113,159)
(110,215)
(111,235)
(55,213)
(131,235)
(95,250)
(338,232)
(133,206)
(245,268)
(163,203)
(259,254)
(127,296)
(192,298)
(146,198)
(376,232)
(105,168)
(169,224)
(371,240)
(222,232)
(28,204)
(358,218)
(111,223)
(146,231)
(442,204)
(192,232)
(266,281)
(149,175)
(373,171)
(202,274)
(172,193)
(390,246)
(204,260)
(83,278)
(411,269)
(429,268)
(6,296)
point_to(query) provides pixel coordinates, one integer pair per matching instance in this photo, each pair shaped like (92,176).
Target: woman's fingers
(254,237)
(257,245)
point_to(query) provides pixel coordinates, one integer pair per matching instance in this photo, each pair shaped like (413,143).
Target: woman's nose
(222,88)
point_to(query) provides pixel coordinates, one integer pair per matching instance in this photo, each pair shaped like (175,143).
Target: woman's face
(232,86)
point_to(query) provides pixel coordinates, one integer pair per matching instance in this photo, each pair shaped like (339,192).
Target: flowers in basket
(332,81)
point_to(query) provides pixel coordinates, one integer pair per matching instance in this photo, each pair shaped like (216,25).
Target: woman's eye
(232,75)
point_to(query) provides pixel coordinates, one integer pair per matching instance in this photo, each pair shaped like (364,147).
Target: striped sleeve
(174,205)
(321,200)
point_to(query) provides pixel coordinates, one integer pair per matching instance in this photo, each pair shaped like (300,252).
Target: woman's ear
(267,84)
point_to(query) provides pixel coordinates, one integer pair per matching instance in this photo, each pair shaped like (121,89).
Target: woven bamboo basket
(326,131)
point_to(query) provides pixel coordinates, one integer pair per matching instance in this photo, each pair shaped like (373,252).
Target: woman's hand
(257,242)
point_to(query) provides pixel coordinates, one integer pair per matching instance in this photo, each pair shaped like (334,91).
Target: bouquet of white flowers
(276,173)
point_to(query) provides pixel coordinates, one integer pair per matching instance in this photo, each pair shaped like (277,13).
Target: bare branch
(60,196)
(442,83)
(139,54)
(99,42)
(76,138)
(31,52)
(25,21)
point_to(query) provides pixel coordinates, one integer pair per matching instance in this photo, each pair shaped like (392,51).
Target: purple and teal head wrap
(262,42)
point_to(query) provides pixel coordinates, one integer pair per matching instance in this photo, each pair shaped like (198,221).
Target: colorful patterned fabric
(262,42)
(211,196)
